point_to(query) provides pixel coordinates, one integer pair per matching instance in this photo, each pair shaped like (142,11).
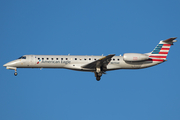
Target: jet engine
(135,57)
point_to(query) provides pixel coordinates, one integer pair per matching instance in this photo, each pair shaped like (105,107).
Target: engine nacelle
(135,57)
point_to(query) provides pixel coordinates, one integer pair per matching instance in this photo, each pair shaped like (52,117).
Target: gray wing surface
(100,62)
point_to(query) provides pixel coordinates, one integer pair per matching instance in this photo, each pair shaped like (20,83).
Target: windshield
(22,57)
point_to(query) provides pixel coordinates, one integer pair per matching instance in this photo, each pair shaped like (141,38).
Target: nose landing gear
(13,68)
(15,74)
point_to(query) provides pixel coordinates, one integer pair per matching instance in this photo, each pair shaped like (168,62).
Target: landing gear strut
(98,73)
(15,72)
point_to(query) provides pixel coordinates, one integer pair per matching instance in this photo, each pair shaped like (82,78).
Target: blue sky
(89,28)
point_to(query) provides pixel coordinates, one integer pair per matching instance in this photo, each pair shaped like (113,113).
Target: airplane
(97,64)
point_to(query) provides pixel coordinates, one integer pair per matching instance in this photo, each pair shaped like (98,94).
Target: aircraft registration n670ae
(97,64)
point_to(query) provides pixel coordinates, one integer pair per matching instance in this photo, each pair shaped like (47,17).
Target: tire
(15,73)
(98,78)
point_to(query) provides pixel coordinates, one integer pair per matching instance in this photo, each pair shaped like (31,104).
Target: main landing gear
(98,76)
(98,73)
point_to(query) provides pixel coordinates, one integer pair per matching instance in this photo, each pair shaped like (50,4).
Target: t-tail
(161,50)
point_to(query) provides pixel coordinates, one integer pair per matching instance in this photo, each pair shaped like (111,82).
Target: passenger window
(89,58)
(42,58)
(113,59)
(66,58)
(38,58)
(51,58)
(94,58)
(61,58)
(47,58)
(80,58)
(84,58)
(75,58)
(56,58)
(118,59)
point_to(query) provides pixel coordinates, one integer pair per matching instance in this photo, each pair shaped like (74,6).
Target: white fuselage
(74,62)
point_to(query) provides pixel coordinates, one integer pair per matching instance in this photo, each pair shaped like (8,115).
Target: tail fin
(161,50)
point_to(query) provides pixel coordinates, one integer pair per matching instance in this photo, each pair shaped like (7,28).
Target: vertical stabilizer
(162,49)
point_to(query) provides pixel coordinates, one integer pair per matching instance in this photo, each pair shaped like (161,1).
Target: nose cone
(12,63)
(5,65)
(8,64)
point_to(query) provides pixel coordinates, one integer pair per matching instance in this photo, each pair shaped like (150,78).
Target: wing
(100,62)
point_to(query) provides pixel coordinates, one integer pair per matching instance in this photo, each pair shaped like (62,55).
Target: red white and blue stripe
(160,52)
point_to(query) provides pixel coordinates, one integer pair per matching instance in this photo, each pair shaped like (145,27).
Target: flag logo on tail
(160,52)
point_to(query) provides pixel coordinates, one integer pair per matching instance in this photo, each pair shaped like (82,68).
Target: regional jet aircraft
(97,64)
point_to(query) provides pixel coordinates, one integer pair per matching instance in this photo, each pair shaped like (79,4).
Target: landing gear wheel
(98,78)
(15,73)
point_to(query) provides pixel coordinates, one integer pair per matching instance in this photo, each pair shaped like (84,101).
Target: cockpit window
(22,57)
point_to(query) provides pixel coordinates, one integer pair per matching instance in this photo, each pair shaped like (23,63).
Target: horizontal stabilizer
(171,40)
